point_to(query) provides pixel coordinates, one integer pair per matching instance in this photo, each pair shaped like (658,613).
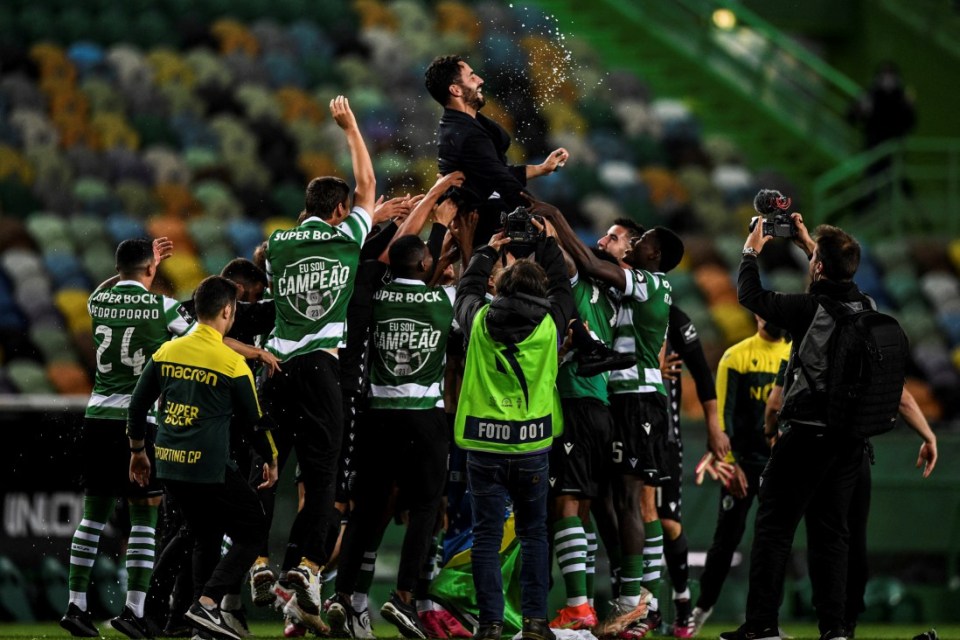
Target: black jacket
(478,147)
(511,319)
(792,311)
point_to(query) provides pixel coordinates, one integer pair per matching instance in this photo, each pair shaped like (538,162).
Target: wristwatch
(750,251)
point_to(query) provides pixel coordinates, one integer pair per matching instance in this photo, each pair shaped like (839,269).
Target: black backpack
(867,360)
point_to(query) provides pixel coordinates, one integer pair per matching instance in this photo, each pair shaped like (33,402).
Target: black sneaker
(130,625)
(834,634)
(79,623)
(537,629)
(404,617)
(745,633)
(489,631)
(212,620)
(927,635)
(602,358)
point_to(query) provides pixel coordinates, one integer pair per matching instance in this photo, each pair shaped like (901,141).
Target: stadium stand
(206,133)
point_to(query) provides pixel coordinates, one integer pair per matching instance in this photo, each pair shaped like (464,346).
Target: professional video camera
(772,207)
(518,226)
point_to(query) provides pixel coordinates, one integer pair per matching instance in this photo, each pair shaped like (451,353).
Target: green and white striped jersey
(599,312)
(411,324)
(641,328)
(312,268)
(129,325)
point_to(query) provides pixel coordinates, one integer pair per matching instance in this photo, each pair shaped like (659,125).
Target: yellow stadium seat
(170,68)
(456,17)
(735,322)
(297,104)
(375,15)
(184,270)
(68,101)
(316,164)
(12,163)
(72,304)
(272,224)
(953,251)
(114,132)
(233,36)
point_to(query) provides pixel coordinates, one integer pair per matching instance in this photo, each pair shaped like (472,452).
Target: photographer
(815,464)
(508,415)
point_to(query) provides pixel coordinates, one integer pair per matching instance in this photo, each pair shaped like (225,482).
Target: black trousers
(731,524)
(857,566)
(305,400)
(211,510)
(408,447)
(811,472)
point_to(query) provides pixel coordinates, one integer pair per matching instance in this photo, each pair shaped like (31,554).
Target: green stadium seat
(216,257)
(208,68)
(217,200)
(901,283)
(136,199)
(787,280)
(50,232)
(28,377)
(53,589)
(86,228)
(14,604)
(207,231)
(53,343)
(99,263)
(198,159)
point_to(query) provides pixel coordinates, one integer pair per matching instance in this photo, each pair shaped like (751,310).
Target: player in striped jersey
(312,268)
(129,324)
(638,400)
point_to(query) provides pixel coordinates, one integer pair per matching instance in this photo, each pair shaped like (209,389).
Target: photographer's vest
(509,402)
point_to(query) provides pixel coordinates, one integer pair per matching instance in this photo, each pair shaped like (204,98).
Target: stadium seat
(86,228)
(184,271)
(99,263)
(136,199)
(65,270)
(103,96)
(72,304)
(274,224)
(734,322)
(168,166)
(121,227)
(207,231)
(28,377)
(216,258)
(173,228)
(21,264)
(69,378)
(52,342)
(217,200)
(901,283)
(87,57)
(208,68)
(53,589)
(233,37)
(14,604)
(50,232)
(245,235)
(176,201)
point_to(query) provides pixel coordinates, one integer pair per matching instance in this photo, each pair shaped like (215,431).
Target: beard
(474,99)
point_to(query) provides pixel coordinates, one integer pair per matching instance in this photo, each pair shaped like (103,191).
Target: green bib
(509,401)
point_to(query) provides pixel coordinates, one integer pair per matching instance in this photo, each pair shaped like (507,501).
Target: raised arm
(588,263)
(414,222)
(365,195)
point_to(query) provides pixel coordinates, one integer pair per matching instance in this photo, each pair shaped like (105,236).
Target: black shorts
(669,493)
(105,461)
(640,436)
(580,458)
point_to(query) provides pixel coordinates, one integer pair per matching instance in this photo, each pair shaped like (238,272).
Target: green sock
(570,544)
(631,574)
(86,541)
(652,559)
(615,556)
(591,534)
(141,550)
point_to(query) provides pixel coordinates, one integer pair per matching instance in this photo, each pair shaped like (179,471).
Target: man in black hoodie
(470,142)
(790,486)
(507,417)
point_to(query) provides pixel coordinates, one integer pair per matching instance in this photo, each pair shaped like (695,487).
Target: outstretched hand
(162,249)
(340,109)
(718,470)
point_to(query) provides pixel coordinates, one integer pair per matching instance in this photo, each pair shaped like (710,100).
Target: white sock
(682,596)
(79,598)
(654,605)
(231,602)
(629,602)
(576,601)
(426,605)
(359,601)
(135,600)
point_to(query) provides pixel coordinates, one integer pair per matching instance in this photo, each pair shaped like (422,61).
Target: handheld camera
(772,207)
